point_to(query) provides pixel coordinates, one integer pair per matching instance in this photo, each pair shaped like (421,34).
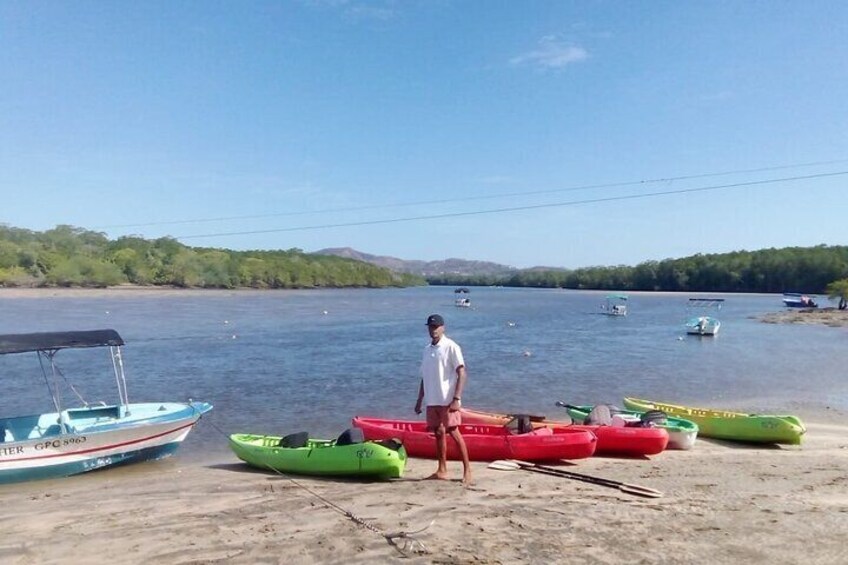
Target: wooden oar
(515,465)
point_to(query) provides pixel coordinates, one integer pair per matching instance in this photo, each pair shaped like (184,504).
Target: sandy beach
(722,503)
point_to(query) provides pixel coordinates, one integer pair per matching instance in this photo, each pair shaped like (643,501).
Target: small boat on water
(681,433)
(615,305)
(69,441)
(348,455)
(612,440)
(703,324)
(797,300)
(462,299)
(484,443)
(724,424)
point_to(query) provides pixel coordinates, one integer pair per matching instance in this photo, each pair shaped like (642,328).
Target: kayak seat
(652,418)
(599,416)
(393,444)
(351,436)
(520,424)
(300,439)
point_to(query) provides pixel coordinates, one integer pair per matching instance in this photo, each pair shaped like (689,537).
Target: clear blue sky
(281,115)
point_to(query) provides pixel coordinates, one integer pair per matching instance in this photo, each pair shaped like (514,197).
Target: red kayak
(484,443)
(612,440)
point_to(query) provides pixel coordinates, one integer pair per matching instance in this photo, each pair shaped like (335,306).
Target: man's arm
(420,397)
(461,377)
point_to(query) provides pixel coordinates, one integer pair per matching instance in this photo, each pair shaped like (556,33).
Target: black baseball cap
(435,320)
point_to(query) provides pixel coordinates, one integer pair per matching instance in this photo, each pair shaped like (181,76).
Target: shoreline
(21,291)
(135,291)
(733,502)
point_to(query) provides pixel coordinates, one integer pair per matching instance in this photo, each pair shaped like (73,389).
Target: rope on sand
(408,543)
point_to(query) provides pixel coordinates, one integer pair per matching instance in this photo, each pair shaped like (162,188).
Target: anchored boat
(797,300)
(462,299)
(74,440)
(615,305)
(703,324)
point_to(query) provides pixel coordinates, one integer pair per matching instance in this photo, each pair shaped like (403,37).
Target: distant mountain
(459,267)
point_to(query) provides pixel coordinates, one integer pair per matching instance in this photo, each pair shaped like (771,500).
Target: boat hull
(484,443)
(681,433)
(792,300)
(142,434)
(736,426)
(612,440)
(321,457)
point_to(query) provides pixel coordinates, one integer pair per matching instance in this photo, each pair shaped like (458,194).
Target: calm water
(275,362)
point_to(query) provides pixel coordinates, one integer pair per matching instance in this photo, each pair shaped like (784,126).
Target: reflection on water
(285,361)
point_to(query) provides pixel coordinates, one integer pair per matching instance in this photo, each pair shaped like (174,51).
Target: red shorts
(442,415)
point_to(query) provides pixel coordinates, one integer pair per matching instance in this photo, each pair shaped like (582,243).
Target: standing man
(443,377)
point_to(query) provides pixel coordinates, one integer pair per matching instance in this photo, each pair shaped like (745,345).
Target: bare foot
(466,479)
(437,476)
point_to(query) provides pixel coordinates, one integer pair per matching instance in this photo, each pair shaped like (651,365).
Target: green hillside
(70,256)
(790,269)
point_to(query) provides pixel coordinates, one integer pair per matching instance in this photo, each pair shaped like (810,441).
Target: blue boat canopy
(46,341)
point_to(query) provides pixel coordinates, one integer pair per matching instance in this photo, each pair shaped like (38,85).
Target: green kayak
(345,456)
(681,433)
(737,426)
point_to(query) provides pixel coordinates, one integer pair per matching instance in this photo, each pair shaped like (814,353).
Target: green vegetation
(69,256)
(791,269)
(838,290)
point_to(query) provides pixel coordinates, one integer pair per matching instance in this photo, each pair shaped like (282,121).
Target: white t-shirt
(438,371)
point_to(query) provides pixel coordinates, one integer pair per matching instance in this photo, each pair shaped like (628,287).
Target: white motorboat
(703,324)
(615,305)
(68,441)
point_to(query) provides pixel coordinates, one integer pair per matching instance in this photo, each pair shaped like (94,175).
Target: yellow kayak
(737,426)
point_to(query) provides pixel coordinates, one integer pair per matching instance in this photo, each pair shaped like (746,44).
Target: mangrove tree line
(71,256)
(790,269)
